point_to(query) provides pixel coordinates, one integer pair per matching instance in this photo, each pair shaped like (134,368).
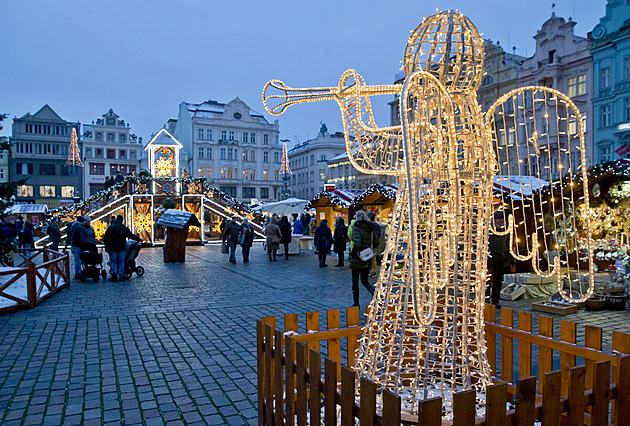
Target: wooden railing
(290,364)
(42,279)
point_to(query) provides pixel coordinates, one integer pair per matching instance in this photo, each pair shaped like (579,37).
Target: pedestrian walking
(298,228)
(54,234)
(340,238)
(363,237)
(312,226)
(246,239)
(274,236)
(224,222)
(306,219)
(27,235)
(323,241)
(230,234)
(74,240)
(375,266)
(285,230)
(499,259)
(115,240)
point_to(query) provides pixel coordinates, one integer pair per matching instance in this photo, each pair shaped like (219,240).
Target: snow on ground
(18,288)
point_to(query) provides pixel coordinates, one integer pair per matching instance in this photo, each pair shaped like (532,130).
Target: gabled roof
(44,113)
(163,138)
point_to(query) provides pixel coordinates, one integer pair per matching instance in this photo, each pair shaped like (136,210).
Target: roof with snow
(519,187)
(27,209)
(163,138)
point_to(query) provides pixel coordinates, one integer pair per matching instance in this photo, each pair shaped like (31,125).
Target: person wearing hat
(499,258)
(74,239)
(115,241)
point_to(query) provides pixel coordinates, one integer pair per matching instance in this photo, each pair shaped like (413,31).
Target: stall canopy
(520,187)
(28,209)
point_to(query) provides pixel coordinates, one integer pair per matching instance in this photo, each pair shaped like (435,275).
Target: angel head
(448,46)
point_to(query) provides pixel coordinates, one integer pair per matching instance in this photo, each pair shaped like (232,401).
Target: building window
(604,77)
(572,127)
(222,153)
(265,139)
(252,156)
(276,157)
(200,172)
(265,175)
(230,153)
(605,153)
(228,190)
(201,133)
(122,153)
(47,169)
(244,174)
(223,174)
(627,109)
(605,115)
(245,137)
(98,152)
(201,152)
(208,172)
(572,86)
(111,154)
(252,174)
(249,192)
(111,137)
(209,153)
(209,134)
(253,137)
(487,80)
(132,169)
(99,136)
(264,193)
(581,85)
(122,138)
(265,157)
(47,191)
(244,155)
(231,173)
(25,190)
(67,191)
(223,135)
(322,158)
(1,173)
(276,175)
(231,135)
(112,169)
(88,152)
(97,169)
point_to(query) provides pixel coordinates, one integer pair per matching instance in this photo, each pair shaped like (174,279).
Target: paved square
(176,346)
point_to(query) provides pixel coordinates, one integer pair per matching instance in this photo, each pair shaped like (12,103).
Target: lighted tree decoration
(74,156)
(424,335)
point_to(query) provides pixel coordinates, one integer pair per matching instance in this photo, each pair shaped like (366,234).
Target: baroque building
(232,146)
(108,149)
(500,74)
(309,162)
(611,86)
(40,143)
(562,61)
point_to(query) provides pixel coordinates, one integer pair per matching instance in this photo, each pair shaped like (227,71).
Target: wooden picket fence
(52,274)
(290,363)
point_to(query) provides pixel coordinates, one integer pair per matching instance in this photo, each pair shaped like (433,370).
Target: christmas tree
(74,157)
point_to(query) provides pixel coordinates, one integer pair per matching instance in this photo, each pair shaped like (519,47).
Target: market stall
(378,199)
(331,204)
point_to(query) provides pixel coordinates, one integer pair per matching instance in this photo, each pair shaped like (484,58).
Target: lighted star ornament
(164,167)
(424,335)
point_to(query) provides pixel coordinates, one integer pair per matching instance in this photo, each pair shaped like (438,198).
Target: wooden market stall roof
(376,194)
(338,197)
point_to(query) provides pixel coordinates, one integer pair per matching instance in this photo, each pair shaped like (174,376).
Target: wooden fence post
(260,371)
(315,374)
(301,357)
(526,401)
(330,392)
(545,355)
(391,408)
(507,347)
(552,390)
(601,387)
(622,391)
(464,408)
(367,415)
(289,380)
(347,397)
(31,287)
(268,374)
(496,400)
(575,413)
(278,378)
(524,348)
(430,411)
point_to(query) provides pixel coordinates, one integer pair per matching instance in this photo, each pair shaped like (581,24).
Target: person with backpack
(246,239)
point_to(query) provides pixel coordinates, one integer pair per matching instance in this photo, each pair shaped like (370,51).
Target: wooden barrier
(52,275)
(293,390)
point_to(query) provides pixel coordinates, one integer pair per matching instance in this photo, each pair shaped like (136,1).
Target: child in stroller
(91,263)
(131,253)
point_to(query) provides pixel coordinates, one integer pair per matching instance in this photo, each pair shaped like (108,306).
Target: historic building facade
(500,74)
(562,61)
(4,161)
(309,162)
(108,149)
(234,147)
(40,144)
(611,88)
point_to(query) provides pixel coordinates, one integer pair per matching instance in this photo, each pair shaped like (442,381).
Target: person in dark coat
(74,239)
(274,236)
(27,235)
(323,239)
(306,219)
(285,230)
(339,240)
(246,239)
(115,240)
(298,229)
(223,224)
(119,177)
(363,236)
(54,234)
(499,258)
(230,234)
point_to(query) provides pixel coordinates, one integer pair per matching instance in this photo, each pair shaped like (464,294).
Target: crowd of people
(364,237)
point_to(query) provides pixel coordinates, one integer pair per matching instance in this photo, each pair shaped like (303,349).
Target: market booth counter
(378,199)
(331,204)
(177,224)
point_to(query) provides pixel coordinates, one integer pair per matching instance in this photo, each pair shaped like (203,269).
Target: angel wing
(538,139)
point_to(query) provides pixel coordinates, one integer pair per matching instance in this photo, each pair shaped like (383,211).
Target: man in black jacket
(75,237)
(115,240)
(230,234)
(500,257)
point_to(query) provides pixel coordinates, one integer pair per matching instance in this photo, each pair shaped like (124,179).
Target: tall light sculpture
(424,334)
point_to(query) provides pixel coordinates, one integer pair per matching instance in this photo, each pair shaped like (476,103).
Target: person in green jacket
(363,236)
(350,227)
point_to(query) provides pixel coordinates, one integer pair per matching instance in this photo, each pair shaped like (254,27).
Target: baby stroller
(133,248)
(91,263)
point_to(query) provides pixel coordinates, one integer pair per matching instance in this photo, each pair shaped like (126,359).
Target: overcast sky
(142,58)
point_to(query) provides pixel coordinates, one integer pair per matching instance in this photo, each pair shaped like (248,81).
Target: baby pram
(131,253)
(91,263)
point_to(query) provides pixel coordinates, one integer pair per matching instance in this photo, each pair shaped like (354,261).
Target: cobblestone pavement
(176,346)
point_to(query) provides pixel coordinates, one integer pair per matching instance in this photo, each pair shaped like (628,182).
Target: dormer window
(551,54)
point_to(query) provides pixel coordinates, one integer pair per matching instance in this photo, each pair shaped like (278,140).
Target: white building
(234,147)
(4,161)
(309,162)
(108,148)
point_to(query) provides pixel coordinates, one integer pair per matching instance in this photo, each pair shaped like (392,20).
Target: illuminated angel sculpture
(424,335)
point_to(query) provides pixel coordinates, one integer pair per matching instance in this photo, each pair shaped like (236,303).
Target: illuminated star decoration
(99,229)
(164,167)
(143,222)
